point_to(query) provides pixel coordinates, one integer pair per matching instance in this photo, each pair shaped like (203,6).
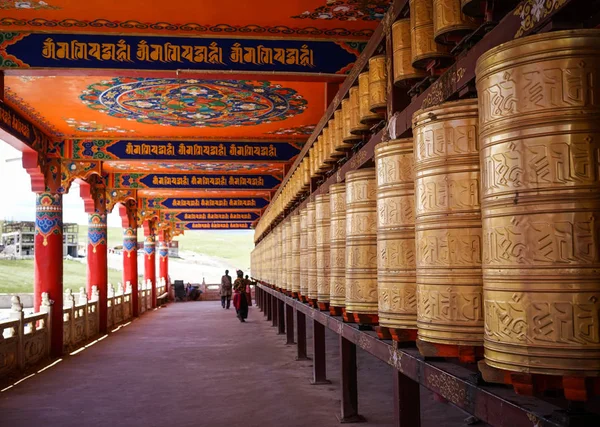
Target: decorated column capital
(48,215)
(150,245)
(130,241)
(97,235)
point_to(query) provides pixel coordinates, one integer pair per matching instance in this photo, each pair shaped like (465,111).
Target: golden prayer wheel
(340,145)
(320,148)
(295,285)
(356,128)
(378,84)
(404,72)
(450,24)
(366,115)
(337,273)
(361,242)
(278,250)
(306,174)
(288,255)
(334,154)
(282,282)
(311,162)
(540,156)
(473,7)
(311,243)
(322,219)
(423,46)
(396,267)
(303,252)
(448,224)
(347,135)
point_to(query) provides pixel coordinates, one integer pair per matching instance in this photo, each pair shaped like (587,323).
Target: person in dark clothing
(239,298)
(225,290)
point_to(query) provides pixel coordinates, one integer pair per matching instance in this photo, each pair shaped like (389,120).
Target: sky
(18,201)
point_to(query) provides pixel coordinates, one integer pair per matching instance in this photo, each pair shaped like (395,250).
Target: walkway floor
(195,364)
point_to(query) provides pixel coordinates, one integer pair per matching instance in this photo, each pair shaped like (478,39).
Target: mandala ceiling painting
(194,102)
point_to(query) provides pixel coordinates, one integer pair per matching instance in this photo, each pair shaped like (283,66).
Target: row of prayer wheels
(426,36)
(483,230)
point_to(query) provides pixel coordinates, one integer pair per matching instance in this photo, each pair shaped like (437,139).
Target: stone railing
(24,340)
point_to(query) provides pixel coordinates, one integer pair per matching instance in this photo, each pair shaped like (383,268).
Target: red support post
(150,259)
(130,265)
(48,270)
(97,265)
(163,260)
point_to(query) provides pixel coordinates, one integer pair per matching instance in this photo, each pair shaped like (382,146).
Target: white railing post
(83,299)
(16,313)
(69,321)
(46,307)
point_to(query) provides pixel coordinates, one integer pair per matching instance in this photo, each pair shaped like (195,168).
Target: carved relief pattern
(312,250)
(337,281)
(377,82)
(448,238)
(323,247)
(303,252)
(540,138)
(423,44)
(295,286)
(361,242)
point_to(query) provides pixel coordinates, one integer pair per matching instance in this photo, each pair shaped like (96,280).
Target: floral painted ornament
(48,216)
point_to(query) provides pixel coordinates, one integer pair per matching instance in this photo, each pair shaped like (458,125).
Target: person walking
(240,301)
(248,291)
(225,290)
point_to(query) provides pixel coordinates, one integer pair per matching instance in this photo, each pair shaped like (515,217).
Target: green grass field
(17,276)
(234,245)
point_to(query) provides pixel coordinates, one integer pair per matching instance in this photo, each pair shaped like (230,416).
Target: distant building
(17,239)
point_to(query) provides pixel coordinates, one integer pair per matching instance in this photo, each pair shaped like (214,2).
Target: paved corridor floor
(195,364)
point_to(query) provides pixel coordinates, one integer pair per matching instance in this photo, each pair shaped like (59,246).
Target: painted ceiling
(101,107)
(202,167)
(349,19)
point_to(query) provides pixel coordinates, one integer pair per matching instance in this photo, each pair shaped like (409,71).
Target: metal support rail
(498,406)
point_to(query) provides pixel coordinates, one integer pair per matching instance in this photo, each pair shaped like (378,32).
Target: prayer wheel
(337,273)
(347,112)
(322,217)
(396,267)
(303,252)
(473,7)
(404,72)
(450,24)
(448,225)
(361,242)
(540,156)
(295,285)
(311,163)
(311,243)
(306,174)
(278,257)
(282,283)
(340,146)
(356,128)
(378,84)
(288,255)
(423,46)
(366,115)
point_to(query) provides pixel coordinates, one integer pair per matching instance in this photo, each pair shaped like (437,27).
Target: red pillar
(48,270)
(150,260)
(97,265)
(130,266)
(163,265)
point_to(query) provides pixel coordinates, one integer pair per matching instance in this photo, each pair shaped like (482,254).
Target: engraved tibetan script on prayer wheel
(356,128)
(283,265)
(337,206)
(311,243)
(340,146)
(366,115)
(288,255)
(378,84)
(323,240)
(448,225)
(404,72)
(539,100)
(361,242)
(295,286)
(450,24)
(348,137)
(423,47)
(396,268)
(278,256)
(303,252)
